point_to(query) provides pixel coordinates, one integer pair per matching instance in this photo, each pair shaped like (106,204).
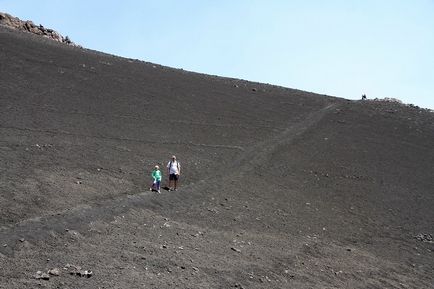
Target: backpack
(177,164)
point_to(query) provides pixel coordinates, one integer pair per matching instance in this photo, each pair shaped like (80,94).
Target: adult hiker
(156,176)
(174,171)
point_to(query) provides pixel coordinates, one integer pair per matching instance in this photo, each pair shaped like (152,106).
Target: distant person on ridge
(174,171)
(156,176)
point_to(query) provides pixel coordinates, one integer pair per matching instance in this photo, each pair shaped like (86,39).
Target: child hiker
(156,175)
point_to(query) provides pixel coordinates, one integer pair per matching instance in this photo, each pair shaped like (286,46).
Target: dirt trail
(78,218)
(259,153)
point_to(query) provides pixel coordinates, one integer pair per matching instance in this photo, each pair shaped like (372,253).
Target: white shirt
(173,167)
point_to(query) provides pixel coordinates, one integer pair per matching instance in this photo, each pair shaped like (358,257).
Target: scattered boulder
(77,271)
(86,273)
(54,272)
(425,238)
(41,275)
(235,249)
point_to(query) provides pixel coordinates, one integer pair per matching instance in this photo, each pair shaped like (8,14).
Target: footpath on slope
(79,217)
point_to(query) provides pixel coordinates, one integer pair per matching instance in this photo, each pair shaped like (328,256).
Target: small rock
(425,238)
(45,276)
(41,275)
(235,249)
(22,240)
(212,210)
(54,272)
(76,270)
(87,273)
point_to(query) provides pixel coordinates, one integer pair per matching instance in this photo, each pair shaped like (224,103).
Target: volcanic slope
(280,188)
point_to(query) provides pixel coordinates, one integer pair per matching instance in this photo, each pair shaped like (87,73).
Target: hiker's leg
(170,182)
(176,181)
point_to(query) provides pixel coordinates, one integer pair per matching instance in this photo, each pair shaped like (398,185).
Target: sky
(343,48)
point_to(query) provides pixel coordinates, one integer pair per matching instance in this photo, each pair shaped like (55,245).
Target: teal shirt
(156,174)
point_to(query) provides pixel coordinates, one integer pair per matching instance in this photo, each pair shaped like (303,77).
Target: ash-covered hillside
(280,188)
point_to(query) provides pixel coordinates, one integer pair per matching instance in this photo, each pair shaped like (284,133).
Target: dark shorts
(173,177)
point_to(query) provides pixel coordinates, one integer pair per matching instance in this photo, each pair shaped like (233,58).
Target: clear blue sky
(383,48)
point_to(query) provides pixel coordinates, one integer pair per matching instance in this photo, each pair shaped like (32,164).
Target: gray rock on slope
(28,26)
